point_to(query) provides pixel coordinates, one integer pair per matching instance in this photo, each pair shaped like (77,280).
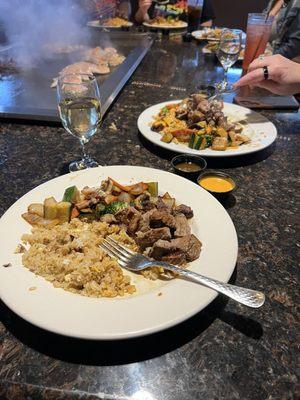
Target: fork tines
(116,250)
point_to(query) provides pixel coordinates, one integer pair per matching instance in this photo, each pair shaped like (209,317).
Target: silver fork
(136,262)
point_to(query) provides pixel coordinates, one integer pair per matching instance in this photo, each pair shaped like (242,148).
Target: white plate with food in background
(156,305)
(113,23)
(213,34)
(261,132)
(176,25)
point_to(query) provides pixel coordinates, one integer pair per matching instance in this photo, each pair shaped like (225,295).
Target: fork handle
(248,297)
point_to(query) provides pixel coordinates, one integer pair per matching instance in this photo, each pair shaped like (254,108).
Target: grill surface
(27,94)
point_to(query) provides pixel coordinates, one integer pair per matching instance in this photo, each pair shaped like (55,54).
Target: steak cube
(148,238)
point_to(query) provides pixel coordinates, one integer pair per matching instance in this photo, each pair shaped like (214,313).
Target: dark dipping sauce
(188,167)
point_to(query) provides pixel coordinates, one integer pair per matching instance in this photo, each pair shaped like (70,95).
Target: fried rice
(69,256)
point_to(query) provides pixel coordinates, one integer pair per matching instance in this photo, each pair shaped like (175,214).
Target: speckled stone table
(227,351)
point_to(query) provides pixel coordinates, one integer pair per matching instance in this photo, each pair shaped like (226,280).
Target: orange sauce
(216,183)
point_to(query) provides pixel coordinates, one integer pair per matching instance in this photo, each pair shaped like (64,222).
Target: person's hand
(144,5)
(142,12)
(284,75)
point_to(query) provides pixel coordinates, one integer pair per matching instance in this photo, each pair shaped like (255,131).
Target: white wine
(227,59)
(81,117)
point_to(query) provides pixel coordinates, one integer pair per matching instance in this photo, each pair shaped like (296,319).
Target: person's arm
(208,14)
(290,48)
(142,13)
(284,75)
(207,23)
(276,8)
(124,9)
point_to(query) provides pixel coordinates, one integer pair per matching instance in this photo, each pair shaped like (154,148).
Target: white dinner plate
(183,24)
(261,131)
(199,35)
(157,305)
(97,24)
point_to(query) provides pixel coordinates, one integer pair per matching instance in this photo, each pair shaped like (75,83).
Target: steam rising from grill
(30,24)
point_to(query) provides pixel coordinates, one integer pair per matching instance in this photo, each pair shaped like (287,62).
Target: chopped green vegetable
(209,140)
(99,210)
(192,140)
(198,143)
(63,211)
(153,188)
(71,194)
(165,110)
(50,208)
(115,207)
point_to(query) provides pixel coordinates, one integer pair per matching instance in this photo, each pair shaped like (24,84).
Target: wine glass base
(3,158)
(83,164)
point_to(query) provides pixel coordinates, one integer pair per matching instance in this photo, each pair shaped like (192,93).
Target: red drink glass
(258,33)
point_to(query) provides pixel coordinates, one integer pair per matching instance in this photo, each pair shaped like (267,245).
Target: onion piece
(34,219)
(126,197)
(36,208)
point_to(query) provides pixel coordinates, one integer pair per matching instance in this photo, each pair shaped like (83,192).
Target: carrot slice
(129,187)
(74,213)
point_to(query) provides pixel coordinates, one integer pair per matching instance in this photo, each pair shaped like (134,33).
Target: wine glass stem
(85,156)
(226,76)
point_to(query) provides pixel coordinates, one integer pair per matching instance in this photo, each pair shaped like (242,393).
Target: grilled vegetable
(71,195)
(153,188)
(138,189)
(219,143)
(198,143)
(209,139)
(192,140)
(50,208)
(167,137)
(183,135)
(115,207)
(124,196)
(99,210)
(63,211)
(222,132)
(36,208)
(34,219)
(135,189)
(74,213)
(168,200)
(110,198)
(165,110)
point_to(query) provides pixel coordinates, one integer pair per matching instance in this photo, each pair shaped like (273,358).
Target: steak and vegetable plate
(63,245)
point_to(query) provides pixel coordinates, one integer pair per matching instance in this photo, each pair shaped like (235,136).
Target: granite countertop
(227,351)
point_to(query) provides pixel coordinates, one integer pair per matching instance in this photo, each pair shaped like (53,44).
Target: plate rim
(194,34)
(143,332)
(203,153)
(184,25)
(92,25)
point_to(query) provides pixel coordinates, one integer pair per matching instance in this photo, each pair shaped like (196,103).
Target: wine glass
(80,112)
(228,53)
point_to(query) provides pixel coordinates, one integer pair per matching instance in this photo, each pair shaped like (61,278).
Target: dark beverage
(194,17)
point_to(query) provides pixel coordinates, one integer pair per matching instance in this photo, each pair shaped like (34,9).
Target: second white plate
(261,131)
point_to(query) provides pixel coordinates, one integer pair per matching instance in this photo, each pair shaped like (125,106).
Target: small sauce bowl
(189,166)
(217,183)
